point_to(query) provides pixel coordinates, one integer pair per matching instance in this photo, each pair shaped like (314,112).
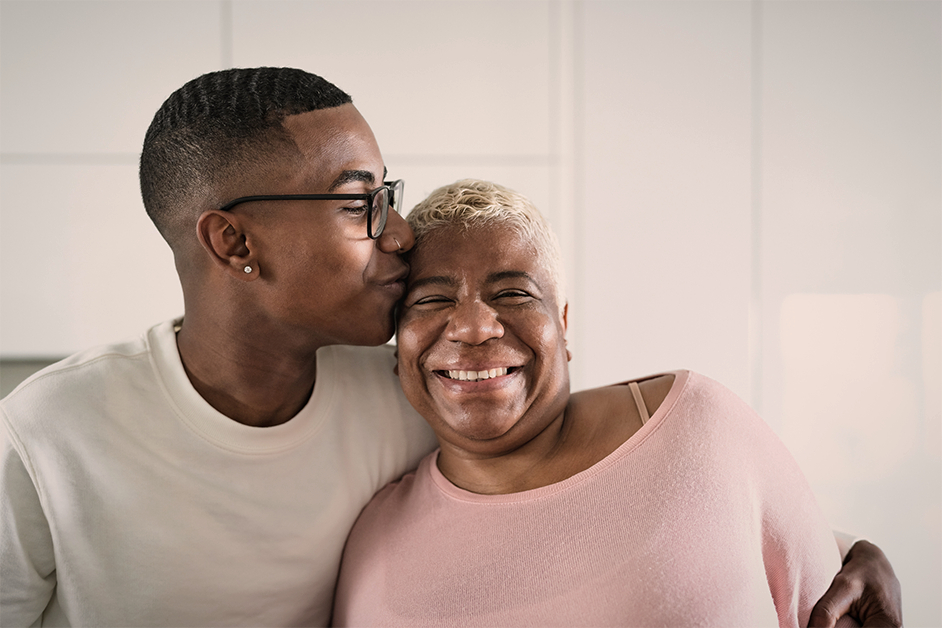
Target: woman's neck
(592,426)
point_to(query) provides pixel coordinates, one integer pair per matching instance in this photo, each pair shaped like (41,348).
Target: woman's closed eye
(430,300)
(513,295)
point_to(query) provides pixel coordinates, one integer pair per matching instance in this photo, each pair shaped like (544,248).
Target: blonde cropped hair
(473,203)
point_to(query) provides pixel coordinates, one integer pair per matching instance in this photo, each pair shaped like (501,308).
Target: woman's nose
(474,323)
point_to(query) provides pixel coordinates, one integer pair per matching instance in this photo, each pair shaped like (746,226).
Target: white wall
(752,190)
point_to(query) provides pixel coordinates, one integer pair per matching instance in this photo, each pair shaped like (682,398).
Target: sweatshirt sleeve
(26,551)
(845,541)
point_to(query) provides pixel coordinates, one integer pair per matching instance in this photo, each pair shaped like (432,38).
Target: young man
(198,475)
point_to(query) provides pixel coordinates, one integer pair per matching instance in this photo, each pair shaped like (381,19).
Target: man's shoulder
(361,380)
(82,375)
(363,368)
(381,355)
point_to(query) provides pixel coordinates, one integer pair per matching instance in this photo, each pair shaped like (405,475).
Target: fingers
(836,602)
(881,620)
(866,588)
(881,603)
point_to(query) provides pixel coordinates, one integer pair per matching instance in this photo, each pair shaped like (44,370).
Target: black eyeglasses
(377,206)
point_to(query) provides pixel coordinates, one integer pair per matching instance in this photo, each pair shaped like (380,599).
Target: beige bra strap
(639,401)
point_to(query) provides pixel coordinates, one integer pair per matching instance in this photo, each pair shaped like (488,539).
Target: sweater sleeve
(26,551)
(798,546)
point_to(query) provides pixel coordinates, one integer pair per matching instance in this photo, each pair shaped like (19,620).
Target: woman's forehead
(490,242)
(482,254)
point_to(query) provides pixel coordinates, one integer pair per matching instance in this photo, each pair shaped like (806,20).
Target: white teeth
(476,376)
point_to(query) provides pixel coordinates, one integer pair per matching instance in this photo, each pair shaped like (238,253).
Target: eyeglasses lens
(378,212)
(397,188)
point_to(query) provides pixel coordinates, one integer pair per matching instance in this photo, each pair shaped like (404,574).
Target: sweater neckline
(681,377)
(218,429)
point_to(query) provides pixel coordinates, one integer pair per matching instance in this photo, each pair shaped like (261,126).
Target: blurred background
(752,190)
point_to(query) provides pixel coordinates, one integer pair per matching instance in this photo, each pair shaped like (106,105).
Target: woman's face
(482,348)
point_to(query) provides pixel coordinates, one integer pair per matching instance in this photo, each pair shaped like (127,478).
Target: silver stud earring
(247,269)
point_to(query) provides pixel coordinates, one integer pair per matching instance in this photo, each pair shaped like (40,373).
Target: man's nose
(473,323)
(397,236)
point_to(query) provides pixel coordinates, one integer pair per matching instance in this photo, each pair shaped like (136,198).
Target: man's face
(482,351)
(321,276)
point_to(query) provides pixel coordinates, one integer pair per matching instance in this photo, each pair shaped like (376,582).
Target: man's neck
(250,378)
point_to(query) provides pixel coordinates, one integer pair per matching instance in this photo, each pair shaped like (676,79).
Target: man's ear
(222,236)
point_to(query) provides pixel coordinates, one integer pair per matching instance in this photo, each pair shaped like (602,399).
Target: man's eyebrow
(352,175)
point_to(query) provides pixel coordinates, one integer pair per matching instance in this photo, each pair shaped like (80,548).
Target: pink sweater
(702,518)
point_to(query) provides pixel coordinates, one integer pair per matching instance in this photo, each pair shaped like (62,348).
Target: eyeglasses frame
(395,199)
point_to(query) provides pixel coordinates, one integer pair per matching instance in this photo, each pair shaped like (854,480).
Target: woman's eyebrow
(438,280)
(509,274)
(449,282)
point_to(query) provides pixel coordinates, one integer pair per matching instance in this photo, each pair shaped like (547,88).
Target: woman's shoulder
(681,392)
(653,389)
(606,417)
(709,394)
(713,412)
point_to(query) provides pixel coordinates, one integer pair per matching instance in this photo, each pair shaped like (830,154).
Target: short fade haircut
(471,203)
(216,126)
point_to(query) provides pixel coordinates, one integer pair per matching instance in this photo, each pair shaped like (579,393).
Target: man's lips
(396,282)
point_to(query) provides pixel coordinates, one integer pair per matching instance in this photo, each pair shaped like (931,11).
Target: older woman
(662,501)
